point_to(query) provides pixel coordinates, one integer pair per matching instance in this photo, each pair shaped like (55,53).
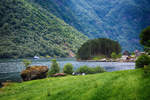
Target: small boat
(36,57)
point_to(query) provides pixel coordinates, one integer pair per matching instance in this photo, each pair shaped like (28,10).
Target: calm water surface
(10,68)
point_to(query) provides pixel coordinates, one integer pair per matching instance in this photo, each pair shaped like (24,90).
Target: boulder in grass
(34,72)
(58,74)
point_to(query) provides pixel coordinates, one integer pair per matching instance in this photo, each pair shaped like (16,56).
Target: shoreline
(103,61)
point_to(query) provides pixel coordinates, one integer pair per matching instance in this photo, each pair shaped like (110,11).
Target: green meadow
(119,85)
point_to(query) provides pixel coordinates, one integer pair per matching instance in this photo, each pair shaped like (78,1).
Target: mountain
(120,20)
(26,29)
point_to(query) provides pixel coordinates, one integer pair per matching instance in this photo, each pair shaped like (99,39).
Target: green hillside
(120,85)
(26,30)
(120,20)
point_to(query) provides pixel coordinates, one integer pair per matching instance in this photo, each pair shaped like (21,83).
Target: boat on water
(36,57)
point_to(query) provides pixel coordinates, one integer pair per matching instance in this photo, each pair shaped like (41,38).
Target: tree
(119,55)
(68,68)
(113,55)
(26,62)
(54,67)
(142,61)
(145,37)
(25,33)
(98,47)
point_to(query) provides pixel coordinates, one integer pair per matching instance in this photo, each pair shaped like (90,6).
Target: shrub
(68,68)
(98,69)
(119,55)
(98,57)
(47,56)
(54,67)
(83,69)
(26,62)
(142,60)
(113,55)
(90,70)
(146,70)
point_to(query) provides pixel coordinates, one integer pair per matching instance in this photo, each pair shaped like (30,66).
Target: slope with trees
(120,20)
(26,30)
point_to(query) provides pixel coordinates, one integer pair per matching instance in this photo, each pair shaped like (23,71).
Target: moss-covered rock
(34,72)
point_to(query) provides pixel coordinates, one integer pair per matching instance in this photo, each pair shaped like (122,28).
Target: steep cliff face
(120,20)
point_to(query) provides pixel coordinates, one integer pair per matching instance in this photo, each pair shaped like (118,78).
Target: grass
(119,85)
(98,57)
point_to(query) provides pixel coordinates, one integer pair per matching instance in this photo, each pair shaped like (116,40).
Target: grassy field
(120,85)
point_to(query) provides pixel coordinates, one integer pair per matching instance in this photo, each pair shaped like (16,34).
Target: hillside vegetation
(26,29)
(120,85)
(120,20)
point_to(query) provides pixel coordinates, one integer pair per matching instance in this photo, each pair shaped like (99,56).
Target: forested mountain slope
(26,30)
(120,20)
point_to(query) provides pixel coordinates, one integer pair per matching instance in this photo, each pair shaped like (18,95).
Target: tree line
(101,46)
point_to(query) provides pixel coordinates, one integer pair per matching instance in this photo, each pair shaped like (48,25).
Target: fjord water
(10,68)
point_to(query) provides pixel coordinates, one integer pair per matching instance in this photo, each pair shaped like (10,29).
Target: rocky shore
(108,60)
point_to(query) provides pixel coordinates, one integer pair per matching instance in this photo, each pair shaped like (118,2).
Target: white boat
(36,57)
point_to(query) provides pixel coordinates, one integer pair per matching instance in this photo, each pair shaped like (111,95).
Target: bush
(83,69)
(90,70)
(113,55)
(98,69)
(146,71)
(26,62)
(142,60)
(119,55)
(54,67)
(98,57)
(68,68)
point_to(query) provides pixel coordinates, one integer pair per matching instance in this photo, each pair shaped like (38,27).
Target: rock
(7,83)
(34,72)
(83,74)
(103,60)
(59,74)
(118,60)
(75,73)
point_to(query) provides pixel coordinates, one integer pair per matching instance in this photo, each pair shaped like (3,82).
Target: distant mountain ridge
(120,20)
(26,30)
